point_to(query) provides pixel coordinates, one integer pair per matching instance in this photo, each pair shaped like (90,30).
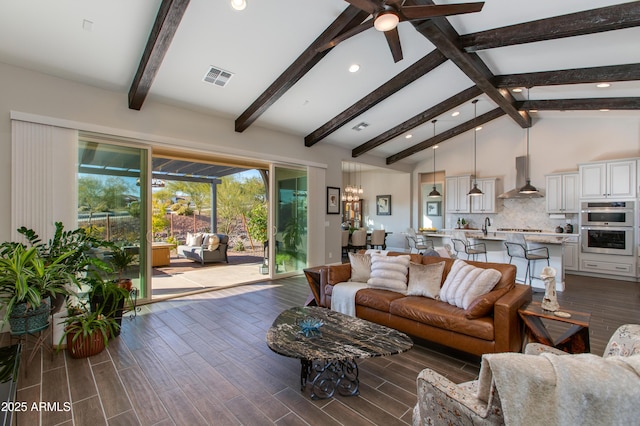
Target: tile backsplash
(517,213)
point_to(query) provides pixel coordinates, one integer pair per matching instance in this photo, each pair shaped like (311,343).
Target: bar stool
(417,242)
(517,247)
(461,244)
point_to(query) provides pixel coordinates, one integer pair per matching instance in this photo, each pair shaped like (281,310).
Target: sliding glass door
(288,220)
(112,200)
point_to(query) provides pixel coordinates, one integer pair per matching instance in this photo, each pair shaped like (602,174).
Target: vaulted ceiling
(282,78)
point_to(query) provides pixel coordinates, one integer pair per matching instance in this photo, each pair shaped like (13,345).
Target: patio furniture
(199,249)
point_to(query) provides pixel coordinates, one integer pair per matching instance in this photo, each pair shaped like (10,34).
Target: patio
(184,276)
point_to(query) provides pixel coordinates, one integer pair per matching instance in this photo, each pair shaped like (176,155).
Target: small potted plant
(121,258)
(87,332)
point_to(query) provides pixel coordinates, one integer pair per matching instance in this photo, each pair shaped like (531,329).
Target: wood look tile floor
(203,360)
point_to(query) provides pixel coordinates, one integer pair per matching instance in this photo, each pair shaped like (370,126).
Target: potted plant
(108,298)
(26,283)
(87,332)
(121,258)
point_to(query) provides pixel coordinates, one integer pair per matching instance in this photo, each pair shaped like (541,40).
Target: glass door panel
(289,220)
(112,201)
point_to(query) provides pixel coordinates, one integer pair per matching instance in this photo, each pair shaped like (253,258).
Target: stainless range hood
(521,180)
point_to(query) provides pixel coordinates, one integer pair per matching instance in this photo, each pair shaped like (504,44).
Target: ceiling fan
(386,14)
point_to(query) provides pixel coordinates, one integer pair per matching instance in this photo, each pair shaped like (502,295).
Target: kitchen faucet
(487,223)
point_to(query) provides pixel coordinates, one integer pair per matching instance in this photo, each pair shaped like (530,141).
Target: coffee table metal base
(325,377)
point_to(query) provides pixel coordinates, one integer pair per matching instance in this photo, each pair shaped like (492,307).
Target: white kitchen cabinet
(563,193)
(456,198)
(608,179)
(485,203)
(570,256)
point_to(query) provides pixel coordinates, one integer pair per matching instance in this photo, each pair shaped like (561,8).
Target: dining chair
(358,240)
(345,243)
(378,239)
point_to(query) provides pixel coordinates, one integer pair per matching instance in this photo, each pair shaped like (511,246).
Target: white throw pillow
(360,267)
(213,242)
(389,272)
(424,280)
(466,282)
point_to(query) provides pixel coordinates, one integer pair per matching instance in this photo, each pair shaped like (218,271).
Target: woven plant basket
(85,347)
(24,320)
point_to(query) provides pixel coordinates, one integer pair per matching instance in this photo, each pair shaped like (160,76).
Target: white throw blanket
(343,297)
(551,389)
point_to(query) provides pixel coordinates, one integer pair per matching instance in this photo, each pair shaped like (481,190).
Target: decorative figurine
(550,300)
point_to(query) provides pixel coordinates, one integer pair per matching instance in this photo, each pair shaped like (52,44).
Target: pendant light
(434,192)
(528,188)
(475,191)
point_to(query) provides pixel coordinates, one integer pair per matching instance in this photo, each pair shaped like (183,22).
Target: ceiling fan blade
(424,12)
(393,39)
(347,34)
(371,6)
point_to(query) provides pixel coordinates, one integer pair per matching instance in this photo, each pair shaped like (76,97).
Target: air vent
(217,76)
(360,126)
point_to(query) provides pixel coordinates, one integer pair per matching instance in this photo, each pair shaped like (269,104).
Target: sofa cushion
(376,298)
(212,241)
(389,272)
(194,240)
(425,280)
(360,267)
(466,282)
(483,305)
(441,315)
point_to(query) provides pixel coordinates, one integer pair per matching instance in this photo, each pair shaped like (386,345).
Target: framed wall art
(333,200)
(433,208)
(383,205)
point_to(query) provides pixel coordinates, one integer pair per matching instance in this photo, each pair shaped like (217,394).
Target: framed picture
(383,205)
(333,200)
(433,208)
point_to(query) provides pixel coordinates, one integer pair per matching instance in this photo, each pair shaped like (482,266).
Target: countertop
(534,237)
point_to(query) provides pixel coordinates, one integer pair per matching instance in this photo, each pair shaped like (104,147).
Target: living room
(559,141)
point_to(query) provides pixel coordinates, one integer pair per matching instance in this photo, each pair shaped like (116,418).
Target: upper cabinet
(563,193)
(456,198)
(485,203)
(608,179)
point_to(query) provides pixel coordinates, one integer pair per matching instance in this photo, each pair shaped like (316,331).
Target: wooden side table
(574,340)
(313,278)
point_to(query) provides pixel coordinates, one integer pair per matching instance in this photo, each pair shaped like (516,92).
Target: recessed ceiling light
(354,68)
(533,110)
(409,136)
(360,126)
(478,128)
(603,85)
(435,146)
(517,90)
(238,4)
(604,109)
(455,113)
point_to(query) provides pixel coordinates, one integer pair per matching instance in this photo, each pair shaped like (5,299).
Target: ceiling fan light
(238,4)
(386,20)
(528,188)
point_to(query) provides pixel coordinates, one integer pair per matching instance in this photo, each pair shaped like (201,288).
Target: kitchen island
(497,252)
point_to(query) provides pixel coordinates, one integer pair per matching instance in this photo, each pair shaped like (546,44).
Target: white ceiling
(258,44)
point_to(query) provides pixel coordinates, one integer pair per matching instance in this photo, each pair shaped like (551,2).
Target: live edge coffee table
(328,360)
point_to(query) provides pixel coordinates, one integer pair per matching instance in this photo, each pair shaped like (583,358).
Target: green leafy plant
(81,322)
(121,258)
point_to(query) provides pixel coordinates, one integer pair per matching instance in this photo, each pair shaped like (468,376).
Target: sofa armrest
(539,348)
(329,276)
(506,321)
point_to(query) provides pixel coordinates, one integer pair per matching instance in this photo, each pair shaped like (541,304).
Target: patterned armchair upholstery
(442,402)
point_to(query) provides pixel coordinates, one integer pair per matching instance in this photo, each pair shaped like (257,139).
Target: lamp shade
(434,193)
(528,188)
(475,191)
(386,20)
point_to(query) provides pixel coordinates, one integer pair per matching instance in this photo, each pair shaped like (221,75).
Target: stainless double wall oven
(607,227)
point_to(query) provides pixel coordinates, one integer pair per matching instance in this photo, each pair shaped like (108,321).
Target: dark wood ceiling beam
(440,32)
(417,120)
(164,28)
(609,18)
(592,104)
(404,78)
(439,138)
(349,18)
(627,72)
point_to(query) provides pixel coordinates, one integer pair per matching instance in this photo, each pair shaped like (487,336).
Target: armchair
(542,386)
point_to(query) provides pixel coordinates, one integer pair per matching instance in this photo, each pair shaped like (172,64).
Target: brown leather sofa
(500,330)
